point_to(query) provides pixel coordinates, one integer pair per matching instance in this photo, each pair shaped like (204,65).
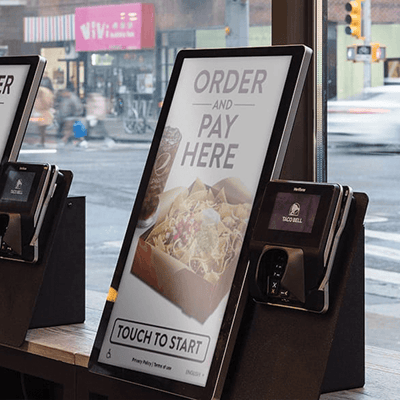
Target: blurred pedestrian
(96,111)
(44,109)
(69,110)
(46,82)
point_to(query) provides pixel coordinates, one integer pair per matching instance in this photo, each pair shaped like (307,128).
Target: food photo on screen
(190,254)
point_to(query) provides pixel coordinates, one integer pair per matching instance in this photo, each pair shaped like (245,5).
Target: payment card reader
(294,243)
(25,193)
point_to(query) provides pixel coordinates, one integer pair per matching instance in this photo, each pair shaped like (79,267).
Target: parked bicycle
(136,115)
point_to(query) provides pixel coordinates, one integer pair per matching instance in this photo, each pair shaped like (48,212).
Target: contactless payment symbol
(294,210)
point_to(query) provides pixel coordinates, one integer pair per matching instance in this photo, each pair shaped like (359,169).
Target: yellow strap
(112,295)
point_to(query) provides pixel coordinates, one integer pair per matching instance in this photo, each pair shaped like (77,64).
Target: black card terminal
(294,243)
(26,190)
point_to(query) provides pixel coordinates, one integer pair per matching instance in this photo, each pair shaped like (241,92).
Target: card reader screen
(18,186)
(294,212)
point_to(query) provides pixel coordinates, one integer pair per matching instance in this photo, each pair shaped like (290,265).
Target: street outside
(363,152)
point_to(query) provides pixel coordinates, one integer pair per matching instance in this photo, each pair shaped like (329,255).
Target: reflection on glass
(119,89)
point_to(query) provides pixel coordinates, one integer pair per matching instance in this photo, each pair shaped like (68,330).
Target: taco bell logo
(294,210)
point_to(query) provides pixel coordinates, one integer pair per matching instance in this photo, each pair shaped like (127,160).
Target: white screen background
(252,132)
(9,98)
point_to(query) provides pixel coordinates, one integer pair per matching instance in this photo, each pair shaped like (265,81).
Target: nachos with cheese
(202,230)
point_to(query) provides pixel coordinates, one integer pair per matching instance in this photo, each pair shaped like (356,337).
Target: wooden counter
(68,349)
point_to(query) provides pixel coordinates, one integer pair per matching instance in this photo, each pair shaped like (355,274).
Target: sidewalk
(382,312)
(113,126)
(117,132)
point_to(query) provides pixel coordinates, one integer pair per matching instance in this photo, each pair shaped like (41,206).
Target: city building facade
(49,27)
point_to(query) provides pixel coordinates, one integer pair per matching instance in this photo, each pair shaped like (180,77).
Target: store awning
(12,2)
(49,29)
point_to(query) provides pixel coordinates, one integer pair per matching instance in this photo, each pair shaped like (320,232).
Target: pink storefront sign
(115,27)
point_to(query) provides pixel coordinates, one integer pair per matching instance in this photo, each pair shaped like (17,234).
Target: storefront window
(108,66)
(363,143)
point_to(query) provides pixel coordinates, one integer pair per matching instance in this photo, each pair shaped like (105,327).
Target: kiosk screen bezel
(35,65)
(300,56)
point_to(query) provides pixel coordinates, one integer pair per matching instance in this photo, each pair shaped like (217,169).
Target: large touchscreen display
(178,274)
(12,81)
(294,212)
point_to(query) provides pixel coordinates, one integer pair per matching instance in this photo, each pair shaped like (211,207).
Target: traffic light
(354,18)
(375,52)
(382,51)
(378,52)
(351,53)
(366,53)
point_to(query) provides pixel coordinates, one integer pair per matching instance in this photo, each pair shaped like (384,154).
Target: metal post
(367,40)
(321,90)
(237,23)
(304,21)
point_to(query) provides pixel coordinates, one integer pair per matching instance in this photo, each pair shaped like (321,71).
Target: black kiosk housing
(262,352)
(300,355)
